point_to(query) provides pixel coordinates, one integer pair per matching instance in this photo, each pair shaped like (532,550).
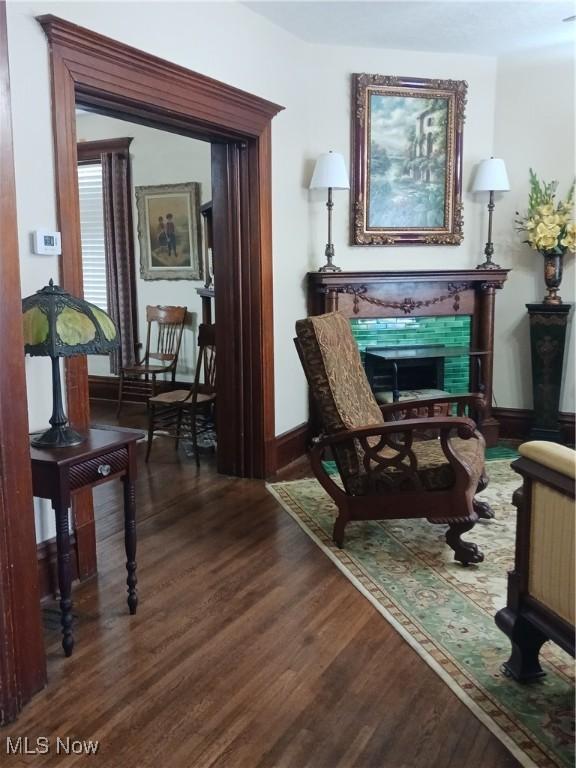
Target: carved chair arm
(402,456)
(465,426)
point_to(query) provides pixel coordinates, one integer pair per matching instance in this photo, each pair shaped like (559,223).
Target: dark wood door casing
(22,661)
(113,78)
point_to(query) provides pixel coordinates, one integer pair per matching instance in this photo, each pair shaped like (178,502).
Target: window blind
(92,234)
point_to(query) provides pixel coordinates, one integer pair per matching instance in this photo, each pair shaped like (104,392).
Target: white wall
(534,127)
(223,40)
(329,103)
(157,157)
(229,42)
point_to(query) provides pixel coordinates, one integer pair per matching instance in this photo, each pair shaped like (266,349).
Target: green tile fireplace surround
(452,307)
(448,331)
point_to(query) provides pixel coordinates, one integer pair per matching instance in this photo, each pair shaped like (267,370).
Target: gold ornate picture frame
(407,160)
(169,231)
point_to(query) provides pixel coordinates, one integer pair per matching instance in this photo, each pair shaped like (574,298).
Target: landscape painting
(407,161)
(169,231)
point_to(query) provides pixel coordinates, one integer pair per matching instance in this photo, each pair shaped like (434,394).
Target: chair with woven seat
(175,414)
(163,340)
(394,461)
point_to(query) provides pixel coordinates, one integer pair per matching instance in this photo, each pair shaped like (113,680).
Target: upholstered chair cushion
(339,386)
(332,363)
(434,473)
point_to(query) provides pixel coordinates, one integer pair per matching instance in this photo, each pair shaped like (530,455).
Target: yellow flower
(545,210)
(569,239)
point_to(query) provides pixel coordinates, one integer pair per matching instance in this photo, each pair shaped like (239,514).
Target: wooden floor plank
(249,649)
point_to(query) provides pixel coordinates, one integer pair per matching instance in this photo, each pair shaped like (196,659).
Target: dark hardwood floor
(249,649)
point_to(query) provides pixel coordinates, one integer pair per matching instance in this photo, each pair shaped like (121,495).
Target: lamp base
(488,264)
(56,437)
(330,268)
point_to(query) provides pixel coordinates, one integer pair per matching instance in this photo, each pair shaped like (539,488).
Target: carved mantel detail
(407,305)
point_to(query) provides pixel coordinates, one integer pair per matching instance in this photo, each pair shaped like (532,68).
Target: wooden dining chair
(175,414)
(163,340)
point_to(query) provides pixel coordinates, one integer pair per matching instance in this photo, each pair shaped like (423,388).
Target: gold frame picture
(407,160)
(169,231)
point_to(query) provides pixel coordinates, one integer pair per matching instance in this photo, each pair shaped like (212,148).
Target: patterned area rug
(446,612)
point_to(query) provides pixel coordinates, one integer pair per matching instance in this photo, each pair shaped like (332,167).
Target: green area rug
(446,612)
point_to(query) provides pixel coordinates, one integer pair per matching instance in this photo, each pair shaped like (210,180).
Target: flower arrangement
(550,226)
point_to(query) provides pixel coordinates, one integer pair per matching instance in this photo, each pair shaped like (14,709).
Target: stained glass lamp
(56,325)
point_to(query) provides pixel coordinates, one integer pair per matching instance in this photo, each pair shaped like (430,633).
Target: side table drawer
(97,469)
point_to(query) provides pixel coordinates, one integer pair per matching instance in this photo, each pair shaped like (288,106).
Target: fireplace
(456,307)
(436,330)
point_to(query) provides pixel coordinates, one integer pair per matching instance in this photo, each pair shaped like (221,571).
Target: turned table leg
(64,573)
(130,541)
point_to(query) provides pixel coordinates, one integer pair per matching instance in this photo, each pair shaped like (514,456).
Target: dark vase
(553,277)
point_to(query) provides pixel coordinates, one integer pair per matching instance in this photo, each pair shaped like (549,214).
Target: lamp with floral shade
(57,324)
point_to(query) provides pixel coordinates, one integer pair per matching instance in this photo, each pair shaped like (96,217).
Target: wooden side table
(57,473)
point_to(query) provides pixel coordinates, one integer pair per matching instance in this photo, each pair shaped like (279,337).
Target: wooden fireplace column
(454,292)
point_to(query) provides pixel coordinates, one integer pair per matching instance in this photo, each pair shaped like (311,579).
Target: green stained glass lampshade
(57,324)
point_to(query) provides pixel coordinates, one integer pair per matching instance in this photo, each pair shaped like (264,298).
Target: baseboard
(48,565)
(515,423)
(291,445)
(106,388)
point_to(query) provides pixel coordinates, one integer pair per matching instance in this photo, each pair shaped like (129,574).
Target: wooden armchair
(163,339)
(394,461)
(541,593)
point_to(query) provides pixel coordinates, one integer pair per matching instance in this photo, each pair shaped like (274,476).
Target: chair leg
(339,527)
(120,394)
(523,664)
(193,426)
(178,428)
(150,431)
(465,552)
(482,508)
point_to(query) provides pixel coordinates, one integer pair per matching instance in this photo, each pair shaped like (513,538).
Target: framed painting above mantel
(407,160)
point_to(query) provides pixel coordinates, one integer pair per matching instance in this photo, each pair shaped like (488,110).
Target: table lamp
(490,177)
(56,325)
(330,173)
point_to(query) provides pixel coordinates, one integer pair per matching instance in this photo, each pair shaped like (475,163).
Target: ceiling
(491,27)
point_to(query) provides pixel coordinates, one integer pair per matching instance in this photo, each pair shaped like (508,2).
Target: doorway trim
(113,78)
(22,660)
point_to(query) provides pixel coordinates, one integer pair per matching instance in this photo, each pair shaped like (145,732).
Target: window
(92,234)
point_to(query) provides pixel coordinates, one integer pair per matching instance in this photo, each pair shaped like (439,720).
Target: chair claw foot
(465,552)
(483,510)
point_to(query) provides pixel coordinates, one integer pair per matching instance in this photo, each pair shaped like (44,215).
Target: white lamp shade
(330,171)
(491,176)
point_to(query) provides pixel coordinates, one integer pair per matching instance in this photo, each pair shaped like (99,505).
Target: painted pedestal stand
(548,323)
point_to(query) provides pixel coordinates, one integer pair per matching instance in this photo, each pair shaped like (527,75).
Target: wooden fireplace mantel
(419,293)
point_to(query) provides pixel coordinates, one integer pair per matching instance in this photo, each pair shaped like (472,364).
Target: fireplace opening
(392,371)
(445,368)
